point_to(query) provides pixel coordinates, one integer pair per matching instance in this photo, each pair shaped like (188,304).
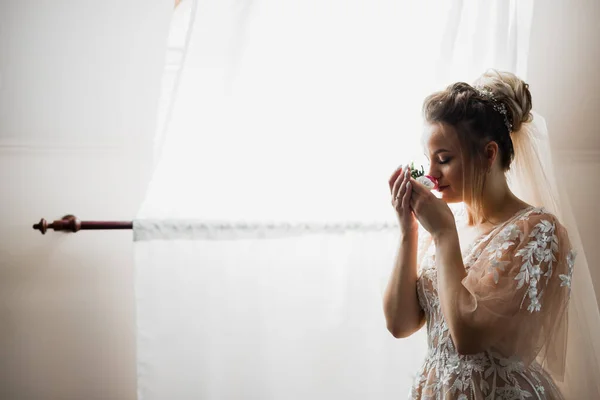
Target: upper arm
(520,284)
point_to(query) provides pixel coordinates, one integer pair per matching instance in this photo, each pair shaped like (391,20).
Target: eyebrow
(441,151)
(438,151)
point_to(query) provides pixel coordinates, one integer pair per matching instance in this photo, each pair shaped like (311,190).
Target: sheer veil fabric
(572,353)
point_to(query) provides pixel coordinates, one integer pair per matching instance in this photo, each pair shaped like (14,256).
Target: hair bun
(510,90)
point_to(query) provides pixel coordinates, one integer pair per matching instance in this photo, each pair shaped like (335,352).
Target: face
(442,149)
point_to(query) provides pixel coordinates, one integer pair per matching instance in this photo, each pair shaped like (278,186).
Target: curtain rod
(73,224)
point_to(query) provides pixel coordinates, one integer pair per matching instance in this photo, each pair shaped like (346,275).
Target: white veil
(575,365)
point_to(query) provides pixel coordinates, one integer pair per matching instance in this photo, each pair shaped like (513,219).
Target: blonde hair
(477,122)
(510,90)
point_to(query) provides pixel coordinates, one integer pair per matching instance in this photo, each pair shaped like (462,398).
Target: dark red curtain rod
(71,223)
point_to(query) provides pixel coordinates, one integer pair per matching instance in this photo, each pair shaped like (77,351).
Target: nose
(434,171)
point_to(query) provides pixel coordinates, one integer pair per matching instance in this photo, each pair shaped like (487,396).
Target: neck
(498,203)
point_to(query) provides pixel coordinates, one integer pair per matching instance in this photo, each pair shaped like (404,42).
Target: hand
(401,194)
(432,213)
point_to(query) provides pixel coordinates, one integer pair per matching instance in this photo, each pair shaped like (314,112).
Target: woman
(492,283)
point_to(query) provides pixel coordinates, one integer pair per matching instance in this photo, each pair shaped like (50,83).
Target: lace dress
(518,277)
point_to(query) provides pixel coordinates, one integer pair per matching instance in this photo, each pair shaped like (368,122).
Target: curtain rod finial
(42,226)
(67,223)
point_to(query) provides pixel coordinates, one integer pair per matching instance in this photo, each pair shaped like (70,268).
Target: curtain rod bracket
(68,223)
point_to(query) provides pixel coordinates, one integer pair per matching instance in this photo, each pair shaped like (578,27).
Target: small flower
(426,180)
(540,389)
(565,280)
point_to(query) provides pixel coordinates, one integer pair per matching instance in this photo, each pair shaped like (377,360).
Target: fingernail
(407,184)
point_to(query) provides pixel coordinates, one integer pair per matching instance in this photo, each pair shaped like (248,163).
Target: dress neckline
(484,236)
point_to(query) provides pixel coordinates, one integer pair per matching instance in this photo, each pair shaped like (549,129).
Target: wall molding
(76,143)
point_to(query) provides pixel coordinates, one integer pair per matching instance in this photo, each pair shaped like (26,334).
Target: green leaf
(415,173)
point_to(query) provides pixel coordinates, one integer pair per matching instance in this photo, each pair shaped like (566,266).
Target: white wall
(78,95)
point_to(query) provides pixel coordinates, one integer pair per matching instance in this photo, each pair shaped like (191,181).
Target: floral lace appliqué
(566,278)
(499,245)
(540,250)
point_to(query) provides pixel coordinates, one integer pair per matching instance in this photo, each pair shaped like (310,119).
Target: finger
(417,199)
(413,204)
(415,188)
(402,189)
(394,176)
(397,184)
(416,195)
(406,199)
(419,188)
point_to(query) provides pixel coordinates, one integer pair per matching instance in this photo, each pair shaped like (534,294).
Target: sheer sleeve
(519,288)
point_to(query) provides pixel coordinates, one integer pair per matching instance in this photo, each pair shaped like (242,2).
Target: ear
(491,153)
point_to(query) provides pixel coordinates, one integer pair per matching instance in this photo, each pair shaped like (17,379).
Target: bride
(491,281)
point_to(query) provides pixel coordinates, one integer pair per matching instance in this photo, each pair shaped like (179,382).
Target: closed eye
(444,161)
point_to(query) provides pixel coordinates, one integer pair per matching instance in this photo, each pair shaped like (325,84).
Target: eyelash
(444,161)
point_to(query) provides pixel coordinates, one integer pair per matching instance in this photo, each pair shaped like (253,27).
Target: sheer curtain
(267,235)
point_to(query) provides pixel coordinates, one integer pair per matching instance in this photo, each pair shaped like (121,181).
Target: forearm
(452,293)
(402,311)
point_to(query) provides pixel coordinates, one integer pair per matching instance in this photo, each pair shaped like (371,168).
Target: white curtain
(267,235)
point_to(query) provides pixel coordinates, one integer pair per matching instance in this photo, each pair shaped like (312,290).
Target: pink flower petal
(434,180)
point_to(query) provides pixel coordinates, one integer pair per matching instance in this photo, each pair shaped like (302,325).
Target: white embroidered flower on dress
(533,255)
(566,279)
(498,246)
